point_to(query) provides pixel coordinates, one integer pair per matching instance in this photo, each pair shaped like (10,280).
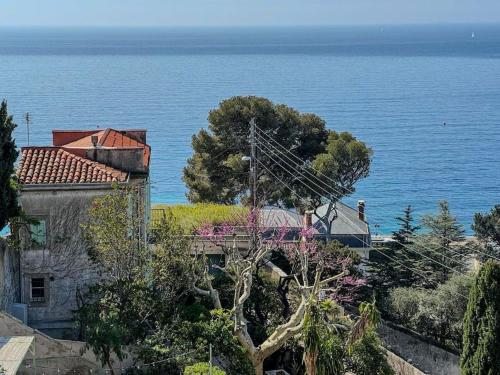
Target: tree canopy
(216,172)
(8,155)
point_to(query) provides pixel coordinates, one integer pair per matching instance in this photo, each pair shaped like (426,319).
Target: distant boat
(473,35)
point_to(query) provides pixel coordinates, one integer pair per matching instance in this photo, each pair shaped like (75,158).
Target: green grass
(191,216)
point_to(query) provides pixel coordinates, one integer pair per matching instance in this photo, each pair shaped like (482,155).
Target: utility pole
(253,164)
(28,119)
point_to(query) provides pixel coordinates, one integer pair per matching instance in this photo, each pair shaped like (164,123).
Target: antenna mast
(27,118)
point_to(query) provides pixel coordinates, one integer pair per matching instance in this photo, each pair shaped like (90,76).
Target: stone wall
(419,352)
(400,366)
(9,276)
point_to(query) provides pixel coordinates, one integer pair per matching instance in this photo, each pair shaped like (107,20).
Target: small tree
(8,155)
(481,339)
(406,227)
(443,245)
(394,268)
(307,264)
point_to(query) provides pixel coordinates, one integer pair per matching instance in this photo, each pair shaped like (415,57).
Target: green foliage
(440,248)
(368,356)
(406,227)
(323,348)
(487,230)
(192,339)
(202,368)
(217,173)
(8,154)
(346,160)
(389,271)
(481,334)
(115,234)
(191,217)
(437,314)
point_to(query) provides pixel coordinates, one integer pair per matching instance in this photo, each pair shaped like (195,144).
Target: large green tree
(216,172)
(481,338)
(8,155)
(300,162)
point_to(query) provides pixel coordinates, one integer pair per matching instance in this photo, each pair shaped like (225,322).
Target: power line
(360,239)
(300,165)
(423,255)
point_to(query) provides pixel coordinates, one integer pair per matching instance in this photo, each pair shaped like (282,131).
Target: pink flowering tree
(250,245)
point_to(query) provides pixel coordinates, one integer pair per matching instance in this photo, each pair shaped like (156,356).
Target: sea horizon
(168,79)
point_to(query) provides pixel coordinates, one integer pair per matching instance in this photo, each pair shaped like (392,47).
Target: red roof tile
(53,165)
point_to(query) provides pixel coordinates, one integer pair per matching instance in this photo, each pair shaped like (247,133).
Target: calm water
(393,87)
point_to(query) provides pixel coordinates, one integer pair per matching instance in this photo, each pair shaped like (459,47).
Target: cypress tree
(481,339)
(8,155)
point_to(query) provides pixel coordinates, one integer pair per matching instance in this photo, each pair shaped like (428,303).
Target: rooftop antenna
(27,118)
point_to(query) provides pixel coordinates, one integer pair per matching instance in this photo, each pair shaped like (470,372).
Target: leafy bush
(368,357)
(202,368)
(437,314)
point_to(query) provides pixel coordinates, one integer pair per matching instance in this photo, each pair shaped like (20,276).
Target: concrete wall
(63,262)
(10,288)
(421,353)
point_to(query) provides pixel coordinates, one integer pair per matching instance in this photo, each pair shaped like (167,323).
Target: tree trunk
(259,368)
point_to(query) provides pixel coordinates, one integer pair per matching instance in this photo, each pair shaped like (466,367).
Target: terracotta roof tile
(53,165)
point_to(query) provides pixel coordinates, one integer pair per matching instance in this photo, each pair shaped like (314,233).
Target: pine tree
(481,339)
(8,155)
(444,243)
(388,271)
(406,228)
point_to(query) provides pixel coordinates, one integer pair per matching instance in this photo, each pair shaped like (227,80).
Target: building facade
(58,186)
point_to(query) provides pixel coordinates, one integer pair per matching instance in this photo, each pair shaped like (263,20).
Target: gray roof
(275,217)
(346,223)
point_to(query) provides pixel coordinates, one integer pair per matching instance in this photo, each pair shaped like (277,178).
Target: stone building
(58,185)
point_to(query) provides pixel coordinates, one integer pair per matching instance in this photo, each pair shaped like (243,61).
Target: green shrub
(202,368)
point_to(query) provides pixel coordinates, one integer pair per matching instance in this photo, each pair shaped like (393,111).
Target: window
(38,290)
(38,233)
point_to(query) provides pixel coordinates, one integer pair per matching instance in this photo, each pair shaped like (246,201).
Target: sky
(243,12)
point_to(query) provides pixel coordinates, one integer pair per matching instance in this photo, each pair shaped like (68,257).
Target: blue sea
(394,87)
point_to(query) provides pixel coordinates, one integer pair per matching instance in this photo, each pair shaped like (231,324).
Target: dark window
(38,292)
(39,233)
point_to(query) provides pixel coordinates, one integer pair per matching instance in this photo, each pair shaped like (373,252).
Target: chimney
(361,210)
(94,139)
(308,219)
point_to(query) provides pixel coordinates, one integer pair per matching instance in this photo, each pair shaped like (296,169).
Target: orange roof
(53,165)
